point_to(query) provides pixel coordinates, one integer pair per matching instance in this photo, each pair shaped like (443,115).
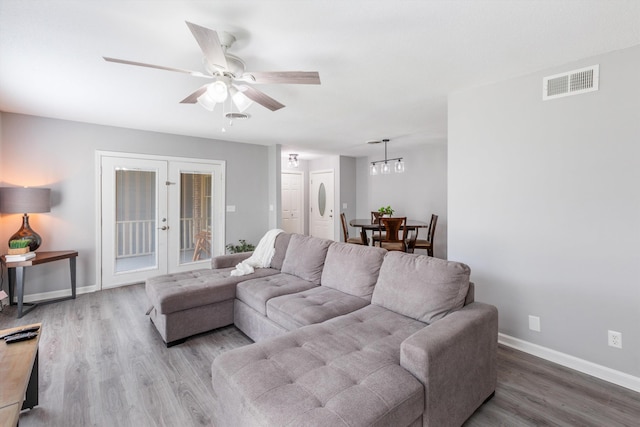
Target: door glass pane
(322,199)
(195,216)
(135,220)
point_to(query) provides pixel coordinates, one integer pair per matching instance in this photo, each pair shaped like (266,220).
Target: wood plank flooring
(102,363)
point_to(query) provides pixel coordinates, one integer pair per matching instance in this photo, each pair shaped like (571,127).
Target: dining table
(365,224)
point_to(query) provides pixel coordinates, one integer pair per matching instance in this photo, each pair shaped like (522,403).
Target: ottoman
(189,303)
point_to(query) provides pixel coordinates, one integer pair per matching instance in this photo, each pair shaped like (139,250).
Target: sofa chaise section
(192,302)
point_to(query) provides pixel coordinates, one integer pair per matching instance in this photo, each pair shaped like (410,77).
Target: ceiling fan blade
(260,97)
(193,98)
(209,43)
(159,67)
(291,77)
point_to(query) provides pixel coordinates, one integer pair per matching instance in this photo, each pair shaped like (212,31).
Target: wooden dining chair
(376,237)
(345,233)
(395,238)
(428,243)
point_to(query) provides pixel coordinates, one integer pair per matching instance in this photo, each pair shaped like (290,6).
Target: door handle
(164,227)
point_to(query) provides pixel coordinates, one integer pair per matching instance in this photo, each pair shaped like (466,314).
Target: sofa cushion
(421,287)
(181,291)
(312,306)
(256,292)
(352,269)
(305,257)
(281,244)
(345,371)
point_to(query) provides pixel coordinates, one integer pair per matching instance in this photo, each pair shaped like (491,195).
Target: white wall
(61,155)
(417,193)
(544,206)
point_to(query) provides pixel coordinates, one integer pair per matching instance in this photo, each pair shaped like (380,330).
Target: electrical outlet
(534,323)
(615,339)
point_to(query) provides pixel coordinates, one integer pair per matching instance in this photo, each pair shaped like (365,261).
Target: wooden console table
(16,276)
(19,376)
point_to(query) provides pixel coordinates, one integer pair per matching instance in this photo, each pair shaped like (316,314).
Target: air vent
(570,83)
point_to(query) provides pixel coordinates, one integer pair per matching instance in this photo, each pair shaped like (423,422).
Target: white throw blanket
(261,257)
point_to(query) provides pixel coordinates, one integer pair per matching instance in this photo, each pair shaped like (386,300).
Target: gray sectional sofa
(344,335)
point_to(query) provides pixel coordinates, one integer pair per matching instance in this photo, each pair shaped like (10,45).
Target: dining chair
(376,237)
(428,243)
(395,238)
(345,233)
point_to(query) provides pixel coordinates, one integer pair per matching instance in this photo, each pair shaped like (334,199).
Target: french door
(158,216)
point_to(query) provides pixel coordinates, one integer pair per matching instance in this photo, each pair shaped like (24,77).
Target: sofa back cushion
(352,269)
(305,257)
(281,243)
(421,287)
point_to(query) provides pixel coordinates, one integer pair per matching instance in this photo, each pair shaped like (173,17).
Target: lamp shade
(25,200)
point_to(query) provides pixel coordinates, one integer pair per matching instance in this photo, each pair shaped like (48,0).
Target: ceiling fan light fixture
(206,102)
(240,100)
(218,91)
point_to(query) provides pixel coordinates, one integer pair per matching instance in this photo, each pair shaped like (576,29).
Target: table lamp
(25,200)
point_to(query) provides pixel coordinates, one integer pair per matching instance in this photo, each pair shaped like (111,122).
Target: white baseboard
(57,294)
(584,366)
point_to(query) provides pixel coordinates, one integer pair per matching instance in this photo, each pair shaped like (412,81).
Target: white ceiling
(386,66)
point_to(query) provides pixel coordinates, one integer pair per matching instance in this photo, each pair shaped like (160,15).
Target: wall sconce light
(383,166)
(293,160)
(25,200)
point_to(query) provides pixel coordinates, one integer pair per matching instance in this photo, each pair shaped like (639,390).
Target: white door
(292,202)
(196,214)
(158,216)
(321,205)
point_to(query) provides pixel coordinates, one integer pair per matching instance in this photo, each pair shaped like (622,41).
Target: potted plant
(19,246)
(386,211)
(242,247)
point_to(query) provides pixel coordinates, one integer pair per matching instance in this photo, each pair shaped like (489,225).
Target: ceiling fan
(228,74)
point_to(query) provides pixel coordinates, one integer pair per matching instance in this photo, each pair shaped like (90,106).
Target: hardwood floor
(102,363)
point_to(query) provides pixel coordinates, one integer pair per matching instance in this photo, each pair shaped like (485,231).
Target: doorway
(322,204)
(292,202)
(158,215)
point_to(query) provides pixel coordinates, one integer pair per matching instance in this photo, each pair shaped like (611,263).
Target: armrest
(455,359)
(229,260)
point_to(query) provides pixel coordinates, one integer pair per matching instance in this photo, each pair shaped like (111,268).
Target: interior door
(133,217)
(158,216)
(292,202)
(322,205)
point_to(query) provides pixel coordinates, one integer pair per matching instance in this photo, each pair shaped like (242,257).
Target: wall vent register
(573,82)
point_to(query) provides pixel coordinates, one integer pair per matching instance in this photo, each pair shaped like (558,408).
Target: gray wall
(544,207)
(417,193)
(61,155)
(348,192)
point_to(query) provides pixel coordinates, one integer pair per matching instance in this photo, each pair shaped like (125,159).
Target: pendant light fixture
(385,167)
